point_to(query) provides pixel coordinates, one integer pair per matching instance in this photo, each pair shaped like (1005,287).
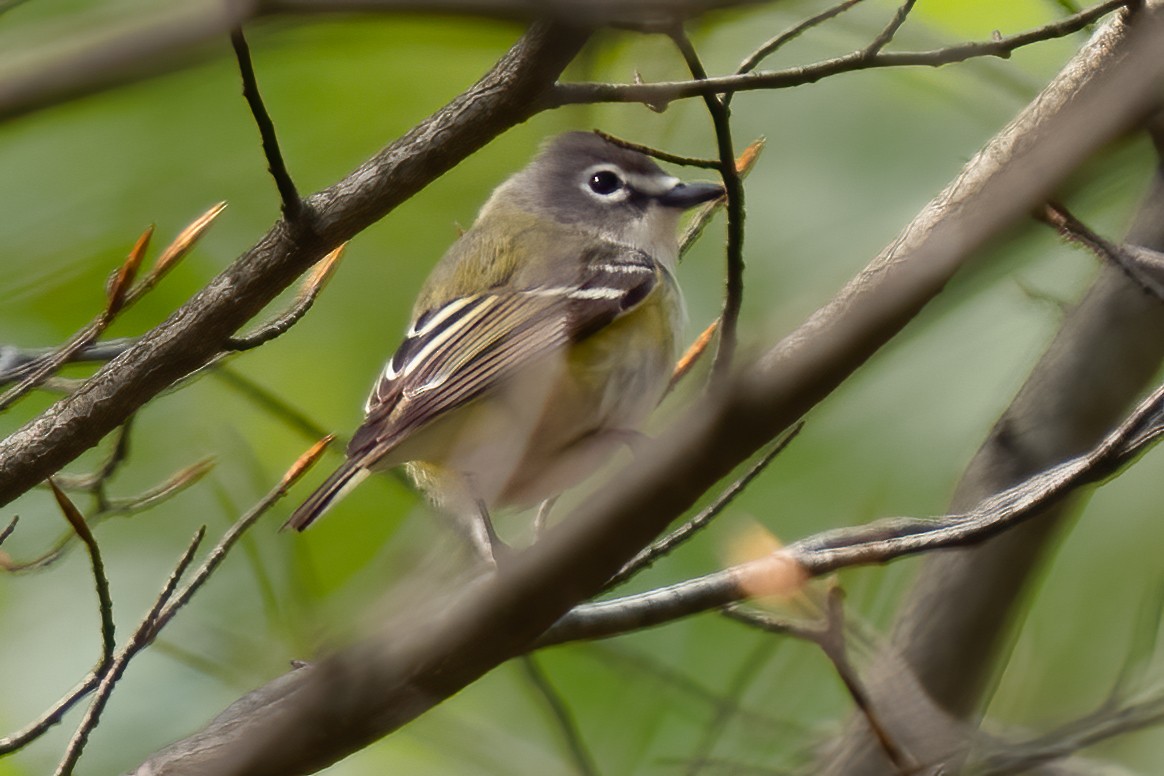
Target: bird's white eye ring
(604,183)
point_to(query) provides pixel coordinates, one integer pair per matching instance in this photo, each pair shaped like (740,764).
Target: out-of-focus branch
(639,14)
(153,42)
(1106,351)
(199,330)
(671,541)
(317,715)
(878,542)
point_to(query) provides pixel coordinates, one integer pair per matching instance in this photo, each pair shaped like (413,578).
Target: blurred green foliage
(848,162)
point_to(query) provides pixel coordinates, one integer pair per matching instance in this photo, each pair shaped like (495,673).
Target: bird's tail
(335,487)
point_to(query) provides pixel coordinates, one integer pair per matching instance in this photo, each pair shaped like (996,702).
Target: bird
(539,343)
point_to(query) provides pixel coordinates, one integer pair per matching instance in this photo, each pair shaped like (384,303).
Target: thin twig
(1145,269)
(7,530)
(292,203)
(720,114)
(771,46)
(173,485)
(660,93)
(668,543)
(15,362)
(702,217)
(100,580)
(235,532)
(141,637)
(94,480)
(312,285)
(886,35)
(831,640)
(878,542)
(172,600)
(665,156)
(1102,724)
(122,294)
(571,736)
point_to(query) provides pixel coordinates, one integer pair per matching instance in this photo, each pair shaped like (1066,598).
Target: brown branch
(733,183)
(879,542)
(830,638)
(292,204)
(754,59)
(885,37)
(141,637)
(304,301)
(658,549)
(198,331)
(655,94)
(1142,266)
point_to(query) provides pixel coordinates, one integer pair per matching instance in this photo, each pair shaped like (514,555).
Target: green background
(849,161)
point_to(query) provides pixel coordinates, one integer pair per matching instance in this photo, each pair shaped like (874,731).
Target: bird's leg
(539,523)
(485,539)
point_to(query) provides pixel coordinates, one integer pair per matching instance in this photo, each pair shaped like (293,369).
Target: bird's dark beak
(687,195)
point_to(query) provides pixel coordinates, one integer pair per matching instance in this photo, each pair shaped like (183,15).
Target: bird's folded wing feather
(467,346)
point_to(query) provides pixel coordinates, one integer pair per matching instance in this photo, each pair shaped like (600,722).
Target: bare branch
(663,92)
(661,155)
(113,507)
(153,42)
(292,204)
(1143,267)
(311,288)
(668,543)
(197,332)
(720,114)
(140,638)
(771,46)
(874,543)
(831,640)
(100,581)
(886,35)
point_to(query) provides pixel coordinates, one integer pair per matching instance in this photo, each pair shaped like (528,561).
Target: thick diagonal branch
(199,330)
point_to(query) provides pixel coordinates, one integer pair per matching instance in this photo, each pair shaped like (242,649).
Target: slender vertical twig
(292,203)
(733,298)
(884,38)
(141,637)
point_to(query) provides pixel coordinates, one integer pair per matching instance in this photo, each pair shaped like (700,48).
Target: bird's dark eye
(605,183)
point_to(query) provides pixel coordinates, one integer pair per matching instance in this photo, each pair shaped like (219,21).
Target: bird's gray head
(584,181)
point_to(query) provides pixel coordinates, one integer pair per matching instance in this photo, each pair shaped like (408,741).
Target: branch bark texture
(199,330)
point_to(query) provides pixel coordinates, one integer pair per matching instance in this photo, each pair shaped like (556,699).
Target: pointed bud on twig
(185,240)
(747,158)
(321,273)
(121,281)
(305,462)
(72,514)
(693,353)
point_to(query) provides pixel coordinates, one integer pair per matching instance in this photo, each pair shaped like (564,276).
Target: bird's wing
(467,346)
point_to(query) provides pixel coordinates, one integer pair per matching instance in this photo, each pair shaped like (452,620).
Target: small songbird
(539,343)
